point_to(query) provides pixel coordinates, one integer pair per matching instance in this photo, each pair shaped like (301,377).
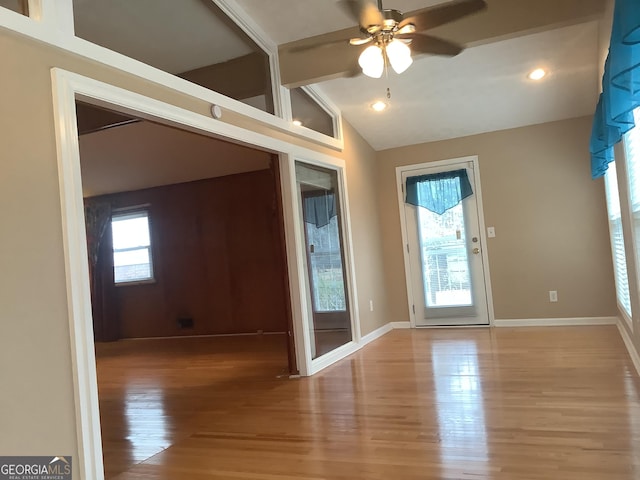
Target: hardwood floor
(547,403)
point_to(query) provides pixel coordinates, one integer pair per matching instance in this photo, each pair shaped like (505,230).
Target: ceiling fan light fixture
(371,61)
(399,55)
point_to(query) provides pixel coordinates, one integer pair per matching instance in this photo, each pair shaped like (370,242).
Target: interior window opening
(309,113)
(19,6)
(192,39)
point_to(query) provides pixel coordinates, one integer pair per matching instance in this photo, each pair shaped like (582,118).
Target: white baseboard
(635,358)
(400,325)
(377,333)
(555,322)
(333,356)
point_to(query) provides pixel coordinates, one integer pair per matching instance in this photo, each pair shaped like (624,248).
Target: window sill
(136,282)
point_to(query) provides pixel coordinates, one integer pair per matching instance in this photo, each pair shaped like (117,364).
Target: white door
(445,257)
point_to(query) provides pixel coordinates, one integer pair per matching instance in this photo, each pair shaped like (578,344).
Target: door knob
(476,251)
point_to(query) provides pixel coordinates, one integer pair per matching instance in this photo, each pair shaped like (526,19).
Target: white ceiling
(144,154)
(483,89)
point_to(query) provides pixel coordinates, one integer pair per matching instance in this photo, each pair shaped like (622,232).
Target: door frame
(298,270)
(67,87)
(452,162)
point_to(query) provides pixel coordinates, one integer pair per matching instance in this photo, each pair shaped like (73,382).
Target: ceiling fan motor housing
(391,19)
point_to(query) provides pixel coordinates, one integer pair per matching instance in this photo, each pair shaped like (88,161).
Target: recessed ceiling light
(297,123)
(379,106)
(537,74)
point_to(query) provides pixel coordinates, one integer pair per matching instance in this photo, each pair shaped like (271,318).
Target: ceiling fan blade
(364,12)
(360,41)
(434,46)
(407,29)
(313,44)
(440,14)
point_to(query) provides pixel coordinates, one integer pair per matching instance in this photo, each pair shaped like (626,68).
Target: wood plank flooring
(522,403)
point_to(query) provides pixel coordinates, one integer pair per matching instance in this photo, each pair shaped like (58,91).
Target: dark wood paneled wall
(217,257)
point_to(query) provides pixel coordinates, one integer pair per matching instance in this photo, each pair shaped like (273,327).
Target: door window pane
(443,246)
(192,39)
(326,267)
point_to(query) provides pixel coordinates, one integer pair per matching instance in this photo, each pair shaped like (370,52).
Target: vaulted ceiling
(485,88)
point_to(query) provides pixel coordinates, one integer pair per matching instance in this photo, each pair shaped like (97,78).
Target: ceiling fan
(392,37)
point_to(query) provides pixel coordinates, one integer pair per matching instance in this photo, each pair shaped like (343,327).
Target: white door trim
(67,87)
(329,358)
(405,239)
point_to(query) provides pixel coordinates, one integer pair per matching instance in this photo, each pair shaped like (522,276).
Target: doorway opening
(188,276)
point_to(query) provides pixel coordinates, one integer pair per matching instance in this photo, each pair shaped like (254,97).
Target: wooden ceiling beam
(504,19)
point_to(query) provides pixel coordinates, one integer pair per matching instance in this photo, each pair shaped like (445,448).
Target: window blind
(617,239)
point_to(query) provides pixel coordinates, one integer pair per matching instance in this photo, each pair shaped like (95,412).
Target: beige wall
(549,216)
(37,406)
(367,243)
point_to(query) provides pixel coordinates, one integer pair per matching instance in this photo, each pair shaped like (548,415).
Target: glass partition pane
(309,113)
(192,39)
(20,6)
(319,197)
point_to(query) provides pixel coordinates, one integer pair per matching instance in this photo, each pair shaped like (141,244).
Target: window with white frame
(617,239)
(632,159)
(132,261)
(307,111)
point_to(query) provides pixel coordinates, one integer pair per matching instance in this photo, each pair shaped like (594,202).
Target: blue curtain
(319,208)
(620,86)
(438,192)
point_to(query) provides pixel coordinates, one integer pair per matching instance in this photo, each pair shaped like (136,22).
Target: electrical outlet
(371,305)
(553,295)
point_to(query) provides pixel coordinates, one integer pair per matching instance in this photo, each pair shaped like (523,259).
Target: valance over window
(620,86)
(319,208)
(438,192)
